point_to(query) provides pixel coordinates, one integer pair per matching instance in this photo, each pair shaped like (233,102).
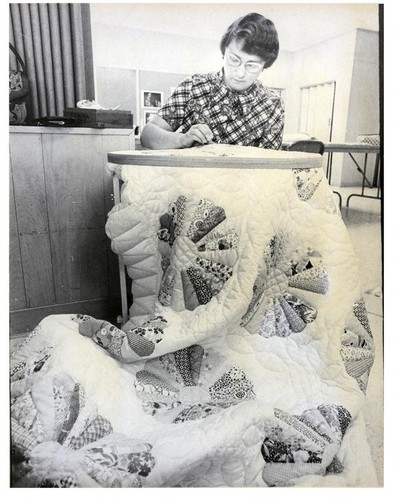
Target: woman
(230,106)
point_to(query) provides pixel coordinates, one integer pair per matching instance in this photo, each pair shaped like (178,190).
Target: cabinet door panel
(74,178)
(17,287)
(38,274)
(31,211)
(80,264)
(60,195)
(75,194)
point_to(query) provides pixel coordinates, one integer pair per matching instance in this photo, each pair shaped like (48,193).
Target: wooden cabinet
(60,194)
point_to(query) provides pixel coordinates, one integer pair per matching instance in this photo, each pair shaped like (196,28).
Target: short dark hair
(259,37)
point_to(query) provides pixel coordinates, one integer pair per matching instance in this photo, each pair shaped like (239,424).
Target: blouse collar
(246,98)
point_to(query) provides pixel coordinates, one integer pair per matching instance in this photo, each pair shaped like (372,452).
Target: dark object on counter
(55,121)
(100,118)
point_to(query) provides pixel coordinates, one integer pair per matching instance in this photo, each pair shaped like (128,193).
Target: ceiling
(299,25)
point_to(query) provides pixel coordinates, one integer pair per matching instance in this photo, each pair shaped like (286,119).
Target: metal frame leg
(362,195)
(329,175)
(363,171)
(123,318)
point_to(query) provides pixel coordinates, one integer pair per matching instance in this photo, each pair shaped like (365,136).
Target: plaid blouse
(254,117)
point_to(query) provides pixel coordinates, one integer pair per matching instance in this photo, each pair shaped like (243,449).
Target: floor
(363,220)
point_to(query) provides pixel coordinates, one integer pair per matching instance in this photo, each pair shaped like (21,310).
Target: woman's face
(241,70)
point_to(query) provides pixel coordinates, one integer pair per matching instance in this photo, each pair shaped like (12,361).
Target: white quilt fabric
(246,356)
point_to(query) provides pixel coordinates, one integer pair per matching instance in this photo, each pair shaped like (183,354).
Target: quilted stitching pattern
(214,393)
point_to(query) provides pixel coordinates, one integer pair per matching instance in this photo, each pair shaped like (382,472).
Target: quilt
(246,356)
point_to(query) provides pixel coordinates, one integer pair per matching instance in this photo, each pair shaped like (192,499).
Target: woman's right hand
(158,134)
(200,133)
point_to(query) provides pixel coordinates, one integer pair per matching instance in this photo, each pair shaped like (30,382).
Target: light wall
(331,60)
(352,61)
(122,47)
(279,75)
(363,109)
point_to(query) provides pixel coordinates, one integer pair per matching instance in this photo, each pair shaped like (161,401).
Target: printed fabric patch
(112,460)
(358,350)
(26,425)
(119,465)
(197,247)
(173,382)
(62,482)
(306,182)
(33,364)
(125,346)
(297,445)
(280,309)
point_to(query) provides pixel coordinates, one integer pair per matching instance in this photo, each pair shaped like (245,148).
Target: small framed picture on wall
(152,99)
(147,114)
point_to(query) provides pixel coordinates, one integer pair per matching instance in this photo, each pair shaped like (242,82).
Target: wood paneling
(60,256)
(16,280)
(37,269)
(80,264)
(32,219)
(74,180)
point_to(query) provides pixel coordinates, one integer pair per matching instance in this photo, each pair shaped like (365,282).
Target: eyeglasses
(235,61)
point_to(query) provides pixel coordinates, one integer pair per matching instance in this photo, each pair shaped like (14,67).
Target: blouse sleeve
(273,131)
(173,111)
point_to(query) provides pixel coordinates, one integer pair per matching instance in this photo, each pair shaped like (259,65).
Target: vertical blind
(54,40)
(316,110)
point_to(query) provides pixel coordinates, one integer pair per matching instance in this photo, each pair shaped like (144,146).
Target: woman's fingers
(206,131)
(201,133)
(198,136)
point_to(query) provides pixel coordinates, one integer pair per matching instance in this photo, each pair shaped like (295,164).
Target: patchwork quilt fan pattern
(246,356)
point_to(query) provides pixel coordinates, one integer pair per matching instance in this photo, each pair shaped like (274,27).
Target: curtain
(54,40)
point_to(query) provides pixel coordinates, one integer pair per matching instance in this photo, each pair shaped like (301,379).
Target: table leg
(363,195)
(329,167)
(123,318)
(340,199)
(362,172)
(365,175)
(329,175)
(376,172)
